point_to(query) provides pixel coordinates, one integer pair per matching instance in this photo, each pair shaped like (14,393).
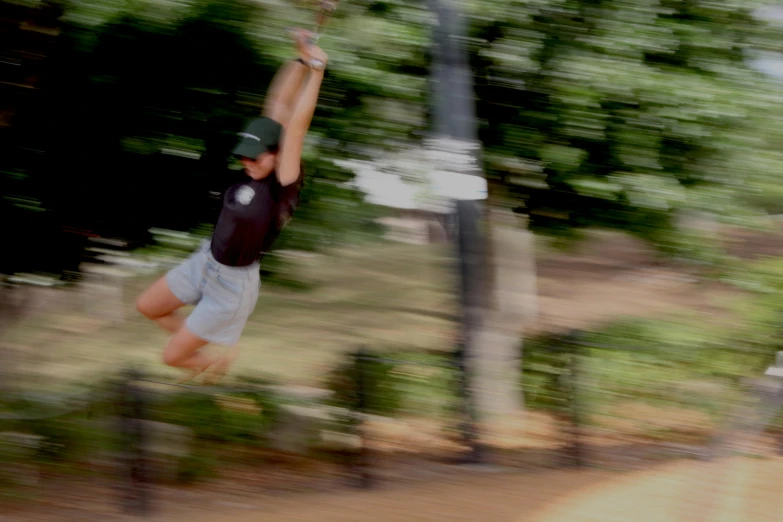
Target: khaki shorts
(224,296)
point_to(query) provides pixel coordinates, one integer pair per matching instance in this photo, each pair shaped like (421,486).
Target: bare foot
(192,374)
(218,370)
(189,376)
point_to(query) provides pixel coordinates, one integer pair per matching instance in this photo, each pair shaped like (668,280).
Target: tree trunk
(496,364)
(497,291)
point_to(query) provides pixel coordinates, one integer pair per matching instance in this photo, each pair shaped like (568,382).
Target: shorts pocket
(234,287)
(227,294)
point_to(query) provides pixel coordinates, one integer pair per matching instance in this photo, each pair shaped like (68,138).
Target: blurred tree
(621,114)
(610,112)
(134,121)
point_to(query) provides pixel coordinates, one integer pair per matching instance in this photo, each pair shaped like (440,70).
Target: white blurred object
(410,231)
(777,370)
(427,178)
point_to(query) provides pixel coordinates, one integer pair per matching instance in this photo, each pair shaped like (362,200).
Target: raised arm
(295,130)
(285,86)
(287,83)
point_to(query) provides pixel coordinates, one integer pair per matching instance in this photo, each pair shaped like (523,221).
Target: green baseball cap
(260,135)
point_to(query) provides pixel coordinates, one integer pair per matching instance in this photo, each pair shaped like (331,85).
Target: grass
(660,379)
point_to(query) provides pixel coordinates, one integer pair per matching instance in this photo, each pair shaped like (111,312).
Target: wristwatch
(317,65)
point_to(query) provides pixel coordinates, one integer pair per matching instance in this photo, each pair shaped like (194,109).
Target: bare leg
(183,351)
(160,304)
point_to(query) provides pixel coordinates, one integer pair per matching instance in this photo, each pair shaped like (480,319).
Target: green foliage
(408,382)
(202,413)
(381,392)
(546,366)
(67,434)
(761,313)
(151,85)
(233,419)
(197,467)
(603,113)
(657,362)
(623,113)
(428,382)
(671,364)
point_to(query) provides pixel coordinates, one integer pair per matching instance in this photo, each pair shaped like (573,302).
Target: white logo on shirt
(245,194)
(247,135)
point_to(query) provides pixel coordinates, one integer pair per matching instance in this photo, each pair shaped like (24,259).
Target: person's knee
(145,308)
(183,348)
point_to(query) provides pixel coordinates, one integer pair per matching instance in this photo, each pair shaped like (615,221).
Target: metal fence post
(469,421)
(362,360)
(134,463)
(574,447)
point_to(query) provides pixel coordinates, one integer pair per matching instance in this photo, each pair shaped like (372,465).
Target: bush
(67,431)
(410,381)
(382,390)
(677,364)
(230,418)
(545,364)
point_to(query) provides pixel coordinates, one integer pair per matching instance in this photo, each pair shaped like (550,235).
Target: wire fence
(133,405)
(760,404)
(137,496)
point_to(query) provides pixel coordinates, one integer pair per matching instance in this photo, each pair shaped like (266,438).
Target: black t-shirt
(247,220)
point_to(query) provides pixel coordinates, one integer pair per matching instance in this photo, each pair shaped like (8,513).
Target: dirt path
(736,490)
(687,491)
